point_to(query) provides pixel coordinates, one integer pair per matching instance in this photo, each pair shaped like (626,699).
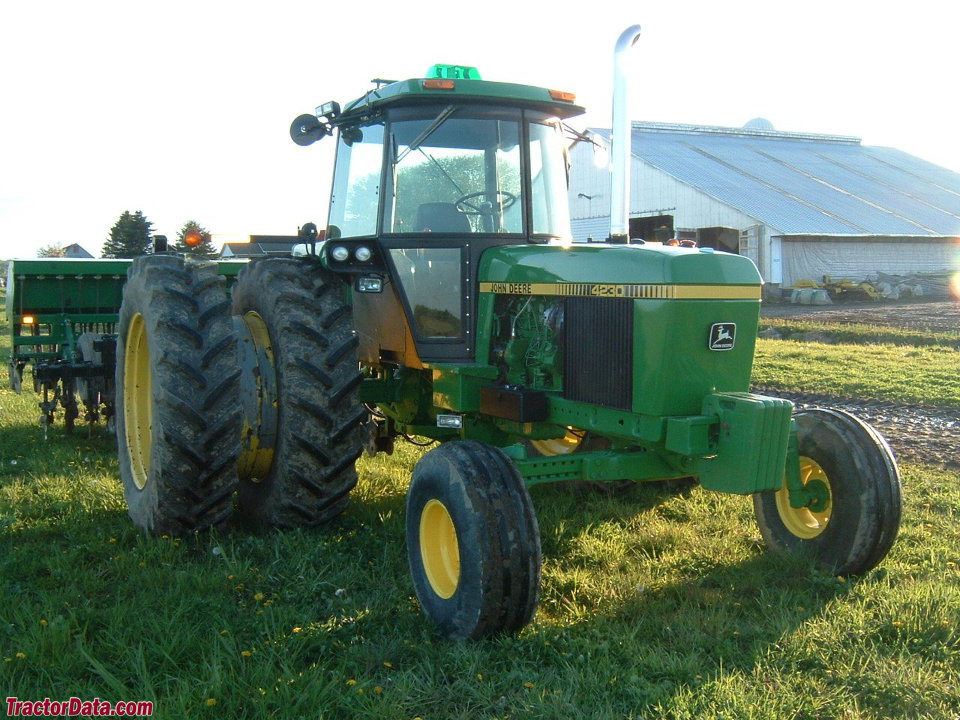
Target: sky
(182,109)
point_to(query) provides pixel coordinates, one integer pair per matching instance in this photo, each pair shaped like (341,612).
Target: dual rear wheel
(285,347)
(266,384)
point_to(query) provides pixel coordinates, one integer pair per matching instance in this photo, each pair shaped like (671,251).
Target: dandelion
(297,629)
(43,623)
(378,690)
(246,653)
(113,540)
(21,656)
(388,665)
(528,685)
(224,632)
(841,579)
(897,623)
(211,702)
(351,682)
(479,676)
(258,597)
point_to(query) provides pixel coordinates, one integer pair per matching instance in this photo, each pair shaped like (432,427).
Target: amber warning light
(563,96)
(193,238)
(438,84)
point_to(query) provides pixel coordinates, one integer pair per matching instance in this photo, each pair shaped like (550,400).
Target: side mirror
(306,130)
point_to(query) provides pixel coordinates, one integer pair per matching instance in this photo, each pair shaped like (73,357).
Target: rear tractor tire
(472,541)
(297,466)
(856,520)
(177,421)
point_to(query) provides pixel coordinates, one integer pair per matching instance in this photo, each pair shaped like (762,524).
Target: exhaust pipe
(621,142)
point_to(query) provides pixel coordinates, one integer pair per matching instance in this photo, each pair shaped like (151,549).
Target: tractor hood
(632,271)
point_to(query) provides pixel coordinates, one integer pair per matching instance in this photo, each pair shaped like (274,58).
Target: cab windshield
(454,175)
(454,171)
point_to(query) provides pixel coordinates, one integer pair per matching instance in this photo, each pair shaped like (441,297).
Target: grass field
(654,605)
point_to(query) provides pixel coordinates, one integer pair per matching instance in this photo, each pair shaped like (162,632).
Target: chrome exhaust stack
(620,146)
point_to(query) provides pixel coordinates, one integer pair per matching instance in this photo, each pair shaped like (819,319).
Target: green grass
(928,375)
(858,333)
(653,605)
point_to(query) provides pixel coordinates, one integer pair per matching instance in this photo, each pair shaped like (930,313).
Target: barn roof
(805,184)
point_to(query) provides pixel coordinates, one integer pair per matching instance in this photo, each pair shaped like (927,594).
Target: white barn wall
(656,193)
(594,182)
(652,192)
(595,228)
(806,258)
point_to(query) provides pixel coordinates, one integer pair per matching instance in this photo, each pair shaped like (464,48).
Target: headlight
(340,253)
(363,253)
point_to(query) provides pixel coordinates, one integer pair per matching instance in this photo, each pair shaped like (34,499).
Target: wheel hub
(809,521)
(258,396)
(559,446)
(439,549)
(138,401)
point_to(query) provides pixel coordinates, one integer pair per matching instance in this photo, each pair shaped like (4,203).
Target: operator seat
(441,217)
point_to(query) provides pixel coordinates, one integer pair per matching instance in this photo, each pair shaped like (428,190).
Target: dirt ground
(931,315)
(916,433)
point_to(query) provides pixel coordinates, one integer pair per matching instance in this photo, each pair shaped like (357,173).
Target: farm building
(260,245)
(801,206)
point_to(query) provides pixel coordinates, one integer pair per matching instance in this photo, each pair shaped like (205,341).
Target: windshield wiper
(428,131)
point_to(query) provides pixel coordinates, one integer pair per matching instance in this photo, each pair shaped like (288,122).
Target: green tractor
(445,300)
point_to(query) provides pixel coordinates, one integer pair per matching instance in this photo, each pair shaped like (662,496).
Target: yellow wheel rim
(439,549)
(255,461)
(559,446)
(138,400)
(803,522)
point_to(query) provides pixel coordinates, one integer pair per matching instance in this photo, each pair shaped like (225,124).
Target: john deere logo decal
(723,336)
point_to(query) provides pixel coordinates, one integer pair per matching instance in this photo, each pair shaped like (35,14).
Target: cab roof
(437,91)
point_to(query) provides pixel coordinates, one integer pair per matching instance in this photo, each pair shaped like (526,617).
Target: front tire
(855,523)
(297,309)
(177,421)
(472,541)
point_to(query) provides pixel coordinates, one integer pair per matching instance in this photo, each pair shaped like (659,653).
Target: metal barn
(800,205)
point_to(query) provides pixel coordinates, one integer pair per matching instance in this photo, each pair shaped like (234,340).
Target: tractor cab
(429,174)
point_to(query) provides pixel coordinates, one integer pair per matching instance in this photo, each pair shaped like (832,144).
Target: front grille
(598,351)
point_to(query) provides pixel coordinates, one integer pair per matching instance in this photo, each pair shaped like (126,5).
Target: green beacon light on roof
(453,72)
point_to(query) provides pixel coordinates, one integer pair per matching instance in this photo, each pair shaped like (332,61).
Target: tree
(205,249)
(130,237)
(53,250)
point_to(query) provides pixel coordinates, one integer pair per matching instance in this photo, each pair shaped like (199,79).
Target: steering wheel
(467,208)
